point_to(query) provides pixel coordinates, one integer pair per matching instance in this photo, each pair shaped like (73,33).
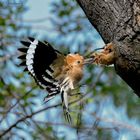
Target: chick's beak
(88,60)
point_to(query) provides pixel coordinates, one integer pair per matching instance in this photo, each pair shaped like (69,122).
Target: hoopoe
(52,70)
(105,57)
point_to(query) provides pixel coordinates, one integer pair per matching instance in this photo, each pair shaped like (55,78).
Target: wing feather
(42,62)
(45,64)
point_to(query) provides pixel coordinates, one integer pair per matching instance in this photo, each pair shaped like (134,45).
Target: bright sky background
(38,10)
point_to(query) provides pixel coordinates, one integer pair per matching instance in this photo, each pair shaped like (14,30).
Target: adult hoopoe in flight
(52,70)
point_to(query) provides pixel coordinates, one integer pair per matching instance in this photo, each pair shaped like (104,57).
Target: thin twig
(6,57)
(26,117)
(36,20)
(121,125)
(17,102)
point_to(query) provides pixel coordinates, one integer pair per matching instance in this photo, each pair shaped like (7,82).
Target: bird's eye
(78,62)
(110,50)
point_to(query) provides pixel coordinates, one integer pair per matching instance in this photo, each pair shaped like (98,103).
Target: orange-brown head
(75,60)
(74,67)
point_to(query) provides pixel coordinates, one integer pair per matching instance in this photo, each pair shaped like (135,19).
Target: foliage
(106,108)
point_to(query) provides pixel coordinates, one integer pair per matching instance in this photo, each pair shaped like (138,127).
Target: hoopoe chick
(55,72)
(105,57)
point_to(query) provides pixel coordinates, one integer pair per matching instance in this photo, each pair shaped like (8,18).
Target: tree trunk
(118,21)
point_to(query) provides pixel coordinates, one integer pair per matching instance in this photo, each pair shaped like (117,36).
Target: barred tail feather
(65,107)
(49,97)
(53,91)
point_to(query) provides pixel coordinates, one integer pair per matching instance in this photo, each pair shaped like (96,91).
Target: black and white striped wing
(37,58)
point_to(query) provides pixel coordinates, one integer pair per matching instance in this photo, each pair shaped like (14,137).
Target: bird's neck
(76,74)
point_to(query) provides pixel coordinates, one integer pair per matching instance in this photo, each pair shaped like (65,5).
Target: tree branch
(26,117)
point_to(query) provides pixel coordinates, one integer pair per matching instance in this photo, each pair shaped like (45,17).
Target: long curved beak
(88,60)
(99,49)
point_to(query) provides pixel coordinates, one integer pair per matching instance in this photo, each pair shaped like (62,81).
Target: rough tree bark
(118,21)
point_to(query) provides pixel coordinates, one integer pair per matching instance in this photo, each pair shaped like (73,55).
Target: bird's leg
(71,94)
(75,91)
(105,57)
(75,94)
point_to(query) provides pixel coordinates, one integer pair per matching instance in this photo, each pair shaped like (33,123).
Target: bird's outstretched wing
(45,64)
(37,59)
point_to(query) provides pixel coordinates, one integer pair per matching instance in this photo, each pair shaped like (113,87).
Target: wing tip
(25,43)
(22,57)
(23,63)
(31,38)
(24,50)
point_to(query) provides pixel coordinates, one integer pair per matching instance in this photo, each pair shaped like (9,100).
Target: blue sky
(38,10)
